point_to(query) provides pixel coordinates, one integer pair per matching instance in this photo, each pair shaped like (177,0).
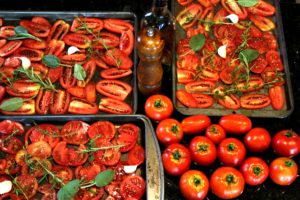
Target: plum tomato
(195,124)
(286,143)
(169,131)
(236,123)
(257,139)
(215,133)
(158,107)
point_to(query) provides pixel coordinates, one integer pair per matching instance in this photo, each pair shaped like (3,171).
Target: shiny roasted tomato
(114,73)
(117,25)
(43,101)
(115,57)
(133,186)
(253,84)
(259,44)
(63,173)
(194,185)
(169,131)
(23,88)
(274,60)
(67,79)
(255,101)
(34,44)
(55,47)
(114,106)
(77,91)
(8,127)
(54,74)
(231,152)
(127,136)
(188,17)
(60,102)
(186,99)
(262,8)
(195,124)
(11,165)
(255,171)
(82,106)
(184,2)
(227,183)
(102,130)
(258,65)
(31,54)
(77,40)
(215,133)
(263,23)
(36,29)
(230,101)
(136,155)
(203,150)
(28,184)
(257,139)
(286,143)
(34,168)
(88,172)
(176,159)
(89,68)
(106,40)
(39,149)
(185,76)
(236,123)
(203,100)
(93,24)
(28,108)
(158,107)
(10,144)
(183,47)
(188,62)
(200,86)
(115,89)
(233,7)
(75,132)
(126,42)
(108,157)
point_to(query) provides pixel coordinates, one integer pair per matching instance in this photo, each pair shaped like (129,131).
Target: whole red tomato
(169,131)
(194,185)
(231,152)
(227,183)
(236,123)
(176,159)
(257,139)
(286,143)
(215,133)
(283,171)
(195,124)
(203,150)
(158,107)
(254,170)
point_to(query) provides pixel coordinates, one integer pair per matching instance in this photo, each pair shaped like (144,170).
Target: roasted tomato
(31,54)
(10,144)
(158,107)
(169,131)
(188,17)
(39,149)
(263,23)
(36,168)
(114,89)
(117,25)
(77,91)
(286,143)
(184,2)
(34,44)
(106,40)
(215,133)
(255,101)
(59,29)
(114,106)
(36,29)
(114,73)
(200,86)
(186,99)
(109,156)
(235,123)
(55,47)
(231,152)
(276,94)
(28,108)
(257,139)
(77,40)
(60,102)
(28,184)
(88,172)
(262,8)
(102,130)
(64,173)
(195,124)
(54,74)
(274,60)
(90,92)
(75,132)
(233,7)
(133,186)
(95,25)
(23,88)
(188,62)
(176,159)
(253,84)
(255,171)
(258,65)
(126,42)
(115,57)
(72,59)
(227,183)
(194,185)
(185,76)
(43,101)
(7,31)
(91,193)
(203,100)
(82,106)
(230,101)
(2,92)
(8,127)
(136,155)
(67,79)
(127,137)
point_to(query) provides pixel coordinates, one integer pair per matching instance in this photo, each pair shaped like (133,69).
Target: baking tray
(151,170)
(13,17)
(218,110)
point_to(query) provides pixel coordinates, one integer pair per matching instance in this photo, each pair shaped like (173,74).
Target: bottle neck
(160,6)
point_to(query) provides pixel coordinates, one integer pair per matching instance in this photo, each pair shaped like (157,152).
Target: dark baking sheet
(13,17)
(218,110)
(151,170)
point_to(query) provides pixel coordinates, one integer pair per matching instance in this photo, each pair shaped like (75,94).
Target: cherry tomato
(194,185)
(114,106)
(82,106)
(39,149)
(114,73)
(158,107)
(227,183)
(115,89)
(93,24)
(235,123)
(276,94)
(195,124)
(176,159)
(75,132)
(133,186)
(286,143)
(117,25)
(8,127)
(60,102)
(126,42)
(102,130)
(255,171)
(283,171)
(215,133)
(10,47)
(169,131)
(186,99)
(117,58)
(257,139)
(203,150)
(231,152)
(136,155)
(28,184)
(127,137)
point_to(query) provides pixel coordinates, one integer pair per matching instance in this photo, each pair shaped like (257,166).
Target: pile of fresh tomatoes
(49,156)
(248,74)
(102,47)
(196,142)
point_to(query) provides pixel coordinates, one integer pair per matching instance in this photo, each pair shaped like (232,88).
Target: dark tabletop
(291,22)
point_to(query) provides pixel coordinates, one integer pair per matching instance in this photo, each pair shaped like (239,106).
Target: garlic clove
(25,62)
(72,50)
(222,51)
(130,168)
(5,187)
(233,18)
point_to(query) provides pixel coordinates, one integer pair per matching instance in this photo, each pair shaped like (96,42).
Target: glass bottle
(161,18)
(149,70)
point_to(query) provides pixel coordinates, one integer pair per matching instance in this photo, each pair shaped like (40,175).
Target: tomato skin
(286,143)
(227,183)
(255,171)
(133,186)
(117,25)
(186,99)
(276,94)
(158,107)
(195,124)
(115,89)
(257,139)
(176,159)
(136,155)
(231,152)
(114,106)
(283,171)
(126,42)
(194,185)
(236,123)
(169,131)
(60,102)
(8,127)
(215,133)
(203,150)
(82,106)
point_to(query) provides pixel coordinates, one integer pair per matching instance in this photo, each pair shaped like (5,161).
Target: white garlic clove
(5,187)
(222,51)
(72,50)
(130,168)
(233,18)
(25,62)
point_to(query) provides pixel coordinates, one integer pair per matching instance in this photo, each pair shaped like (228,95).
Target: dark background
(291,22)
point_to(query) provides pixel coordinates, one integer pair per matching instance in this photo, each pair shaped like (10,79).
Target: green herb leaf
(20,30)
(104,178)
(197,42)
(69,190)
(79,72)
(51,61)
(12,104)
(248,55)
(22,33)
(247,3)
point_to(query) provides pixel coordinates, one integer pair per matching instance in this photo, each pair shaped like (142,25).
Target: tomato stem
(197,181)
(176,155)
(158,103)
(230,179)
(175,129)
(257,171)
(289,163)
(288,134)
(230,147)
(203,147)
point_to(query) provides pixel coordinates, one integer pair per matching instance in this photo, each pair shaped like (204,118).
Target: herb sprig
(22,33)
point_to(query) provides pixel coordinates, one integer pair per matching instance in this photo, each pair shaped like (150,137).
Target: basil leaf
(22,33)
(19,30)
(69,190)
(104,178)
(197,42)
(248,55)
(79,72)
(247,3)
(51,61)
(12,104)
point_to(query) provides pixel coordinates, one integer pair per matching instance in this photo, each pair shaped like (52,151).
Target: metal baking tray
(13,17)
(218,110)
(151,170)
